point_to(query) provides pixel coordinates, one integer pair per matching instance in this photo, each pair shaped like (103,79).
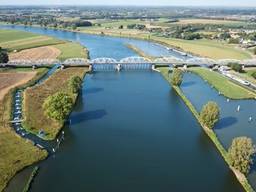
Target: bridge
(128,62)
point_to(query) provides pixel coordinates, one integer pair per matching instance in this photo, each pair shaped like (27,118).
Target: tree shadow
(90,115)
(93,90)
(225,122)
(188,84)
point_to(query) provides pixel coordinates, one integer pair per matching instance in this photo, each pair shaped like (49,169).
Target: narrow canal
(130,132)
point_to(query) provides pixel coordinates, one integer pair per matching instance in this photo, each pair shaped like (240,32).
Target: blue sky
(247,3)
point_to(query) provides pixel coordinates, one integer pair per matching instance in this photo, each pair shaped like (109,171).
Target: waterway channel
(129,131)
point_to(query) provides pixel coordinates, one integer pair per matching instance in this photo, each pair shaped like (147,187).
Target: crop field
(15,152)
(47,52)
(34,97)
(19,40)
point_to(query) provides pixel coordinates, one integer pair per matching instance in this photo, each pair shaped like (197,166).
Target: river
(129,131)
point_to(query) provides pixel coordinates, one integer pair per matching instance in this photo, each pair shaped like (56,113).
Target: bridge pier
(118,67)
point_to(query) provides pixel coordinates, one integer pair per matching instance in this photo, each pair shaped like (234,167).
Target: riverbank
(35,119)
(139,52)
(222,84)
(200,48)
(211,134)
(16,152)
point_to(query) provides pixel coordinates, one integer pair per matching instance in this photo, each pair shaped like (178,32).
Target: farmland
(38,53)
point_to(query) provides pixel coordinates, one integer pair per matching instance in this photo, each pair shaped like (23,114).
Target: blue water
(129,132)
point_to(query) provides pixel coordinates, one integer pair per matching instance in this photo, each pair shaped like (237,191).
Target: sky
(245,3)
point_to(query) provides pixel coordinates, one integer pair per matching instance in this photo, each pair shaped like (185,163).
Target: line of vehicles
(226,73)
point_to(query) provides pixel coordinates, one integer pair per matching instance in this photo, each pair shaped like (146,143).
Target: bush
(241,154)
(254,75)
(236,67)
(177,76)
(4,58)
(210,114)
(74,84)
(58,106)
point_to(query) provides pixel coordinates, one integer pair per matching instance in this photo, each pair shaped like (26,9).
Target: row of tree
(242,150)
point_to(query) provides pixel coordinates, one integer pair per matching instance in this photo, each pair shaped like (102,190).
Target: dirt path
(47,52)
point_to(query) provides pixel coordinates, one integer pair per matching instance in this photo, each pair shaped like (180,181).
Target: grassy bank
(28,184)
(15,152)
(139,52)
(222,84)
(211,134)
(34,97)
(71,50)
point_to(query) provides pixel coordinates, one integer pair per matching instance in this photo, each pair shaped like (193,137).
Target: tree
(74,84)
(210,114)
(254,51)
(58,106)
(236,67)
(4,58)
(241,154)
(177,76)
(254,75)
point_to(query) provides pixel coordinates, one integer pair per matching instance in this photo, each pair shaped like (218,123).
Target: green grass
(206,48)
(71,50)
(15,152)
(222,84)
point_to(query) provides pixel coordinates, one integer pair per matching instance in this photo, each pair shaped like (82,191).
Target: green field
(71,50)
(19,40)
(222,84)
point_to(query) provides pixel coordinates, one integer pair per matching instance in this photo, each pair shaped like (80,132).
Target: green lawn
(222,84)
(71,50)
